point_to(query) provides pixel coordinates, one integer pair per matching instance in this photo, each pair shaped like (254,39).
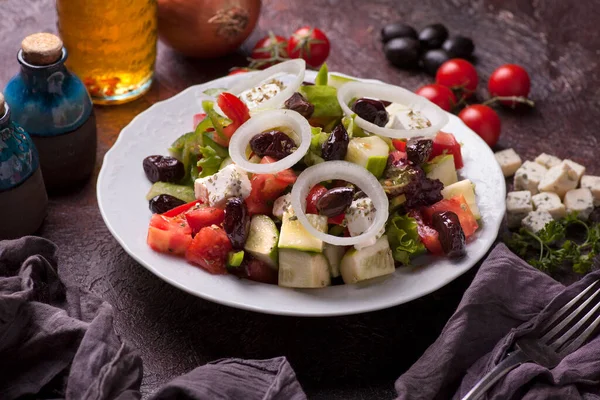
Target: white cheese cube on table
(281,205)
(518,205)
(559,179)
(578,168)
(359,217)
(535,221)
(509,161)
(580,201)
(547,160)
(593,183)
(529,176)
(214,190)
(548,201)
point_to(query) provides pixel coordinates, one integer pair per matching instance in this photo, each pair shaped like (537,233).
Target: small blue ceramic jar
(53,106)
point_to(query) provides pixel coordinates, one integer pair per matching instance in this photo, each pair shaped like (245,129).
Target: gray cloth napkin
(507,299)
(59,342)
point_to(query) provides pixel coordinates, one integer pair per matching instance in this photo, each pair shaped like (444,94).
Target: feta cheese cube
(359,217)
(231,181)
(580,201)
(548,201)
(559,179)
(535,221)
(578,168)
(529,176)
(281,205)
(518,205)
(593,183)
(547,160)
(509,161)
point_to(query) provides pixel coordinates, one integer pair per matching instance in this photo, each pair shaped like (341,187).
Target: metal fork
(547,348)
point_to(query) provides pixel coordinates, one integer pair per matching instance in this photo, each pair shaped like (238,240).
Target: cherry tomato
(311,44)
(483,120)
(440,95)
(509,80)
(269,51)
(458,74)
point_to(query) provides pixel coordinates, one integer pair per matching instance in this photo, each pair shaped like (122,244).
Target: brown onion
(206,28)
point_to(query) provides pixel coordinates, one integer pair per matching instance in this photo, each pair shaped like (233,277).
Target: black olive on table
(163,168)
(336,145)
(397,30)
(432,36)
(335,201)
(371,110)
(452,237)
(459,47)
(432,60)
(163,203)
(403,52)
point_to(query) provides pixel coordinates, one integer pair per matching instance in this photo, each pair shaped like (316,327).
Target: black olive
(163,168)
(403,52)
(336,145)
(371,110)
(299,104)
(335,201)
(163,203)
(452,237)
(237,222)
(397,30)
(418,149)
(432,36)
(459,47)
(274,144)
(432,60)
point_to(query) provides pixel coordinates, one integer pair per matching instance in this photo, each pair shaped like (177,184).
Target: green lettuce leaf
(404,239)
(321,78)
(210,161)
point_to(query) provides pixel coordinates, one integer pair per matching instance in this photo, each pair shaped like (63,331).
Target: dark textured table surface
(335,358)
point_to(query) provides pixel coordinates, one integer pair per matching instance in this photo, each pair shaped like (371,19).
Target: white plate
(122,187)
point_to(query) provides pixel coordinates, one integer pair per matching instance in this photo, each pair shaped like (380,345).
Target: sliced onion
(349,172)
(263,122)
(395,94)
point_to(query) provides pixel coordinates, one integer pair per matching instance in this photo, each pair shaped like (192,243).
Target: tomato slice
(198,118)
(181,209)
(445,143)
(209,249)
(459,206)
(399,144)
(236,110)
(429,236)
(315,193)
(170,235)
(267,187)
(257,205)
(204,216)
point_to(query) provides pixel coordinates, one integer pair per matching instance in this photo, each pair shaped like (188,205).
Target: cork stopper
(42,48)
(1,105)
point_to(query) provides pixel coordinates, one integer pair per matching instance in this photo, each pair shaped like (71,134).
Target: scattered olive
(452,237)
(418,149)
(163,168)
(371,110)
(163,203)
(274,144)
(299,104)
(459,47)
(237,222)
(403,52)
(432,36)
(336,145)
(335,201)
(432,60)
(397,30)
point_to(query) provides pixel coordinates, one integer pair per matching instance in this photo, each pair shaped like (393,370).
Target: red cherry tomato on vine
(458,74)
(236,71)
(269,51)
(440,95)
(483,120)
(509,80)
(311,44)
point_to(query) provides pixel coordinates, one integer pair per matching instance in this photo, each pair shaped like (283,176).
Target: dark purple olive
(371,110)
(397,30)
(459,47)
(403,52)
(299,104)
(163,168)
(335,201)
(274,144)
(432,60)
(418,149)
(452,237)
(237,222)
(336,145)
(163,203)
(432,36)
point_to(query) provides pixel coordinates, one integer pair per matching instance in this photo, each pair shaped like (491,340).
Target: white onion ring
(260,123)
(396,94)
(349,172)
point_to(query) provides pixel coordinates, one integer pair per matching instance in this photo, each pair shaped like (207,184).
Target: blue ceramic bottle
(23,196)
(53,106)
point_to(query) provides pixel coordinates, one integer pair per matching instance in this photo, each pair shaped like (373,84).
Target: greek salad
(305,184)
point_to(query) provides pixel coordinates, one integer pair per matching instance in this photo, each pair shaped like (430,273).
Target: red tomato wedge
(400,145)
(198,118)
(236,110)
(315,193)
(267,187)
(209,249)
(169,235)
(459,206)
(204,216)
(429,236)
(182,208)
(445,143)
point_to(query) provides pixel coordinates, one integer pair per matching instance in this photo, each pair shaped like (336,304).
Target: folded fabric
(507,299)
(59,342)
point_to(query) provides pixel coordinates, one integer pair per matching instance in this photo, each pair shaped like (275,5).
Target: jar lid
(42,48)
